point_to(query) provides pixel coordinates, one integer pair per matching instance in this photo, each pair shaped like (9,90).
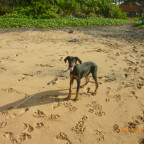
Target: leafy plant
(142,17)
(46,9)
(111,11)
(58,22)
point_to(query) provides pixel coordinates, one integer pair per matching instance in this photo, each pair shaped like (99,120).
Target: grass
(59,22)
(139,24)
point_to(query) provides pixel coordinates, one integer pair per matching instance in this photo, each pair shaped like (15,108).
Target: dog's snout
(70,65)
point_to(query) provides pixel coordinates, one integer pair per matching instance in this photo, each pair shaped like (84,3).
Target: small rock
(73,40)
(71,31)
(124,75)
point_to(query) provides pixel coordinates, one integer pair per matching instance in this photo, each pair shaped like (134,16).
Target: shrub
(142,17)
(110,10)
(46,9)
(39,10)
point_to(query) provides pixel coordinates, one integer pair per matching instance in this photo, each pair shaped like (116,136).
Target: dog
(78,71)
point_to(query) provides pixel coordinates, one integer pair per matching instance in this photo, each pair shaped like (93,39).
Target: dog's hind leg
(94,75)
(87,80)
(96,86)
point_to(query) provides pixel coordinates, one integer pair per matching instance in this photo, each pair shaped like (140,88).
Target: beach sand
(30,58)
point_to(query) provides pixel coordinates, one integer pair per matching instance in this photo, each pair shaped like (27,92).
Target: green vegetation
(47,9)
(138,21)
(139,24)
(59,13)
(58,22)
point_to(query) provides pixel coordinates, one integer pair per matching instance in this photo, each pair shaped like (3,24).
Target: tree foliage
(43,9)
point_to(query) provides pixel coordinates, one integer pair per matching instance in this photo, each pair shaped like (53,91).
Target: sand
(30,58)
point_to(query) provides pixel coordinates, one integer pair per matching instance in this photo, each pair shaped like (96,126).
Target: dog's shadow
(41,98)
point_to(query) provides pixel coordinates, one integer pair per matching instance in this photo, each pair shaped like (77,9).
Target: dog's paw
(94,93)
(75,99)
(67,98)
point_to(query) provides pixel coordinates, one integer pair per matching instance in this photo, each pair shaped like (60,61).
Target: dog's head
(72,62)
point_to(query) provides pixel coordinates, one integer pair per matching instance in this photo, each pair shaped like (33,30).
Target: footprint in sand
(63,136)
(117,54)
(61,58)
(3,125)
(4,113)
(140,85)
(80,126)
(117,97)
(139,117)
(22,78)
(28,127)
(136,124)
(10,90)
(20,138)
(57,103)
(107,100)
(132,125)
(38,72)
(25,76)
(39,114)
(134,49)
(3,68)
(95,108)
(108,90)
(39,125)
(86,93)
(132,70)
(54,117)
(8,135)
(91,110)
(116,128)
(100,135)
(69,106)
(108,79)
(132,93)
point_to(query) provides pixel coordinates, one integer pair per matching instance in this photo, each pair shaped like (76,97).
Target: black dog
(78,71)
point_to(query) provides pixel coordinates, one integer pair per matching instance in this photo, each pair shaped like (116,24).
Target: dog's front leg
(77,92)
(70,89)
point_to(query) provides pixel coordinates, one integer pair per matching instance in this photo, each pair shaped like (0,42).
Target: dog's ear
(77,59)
(67,58)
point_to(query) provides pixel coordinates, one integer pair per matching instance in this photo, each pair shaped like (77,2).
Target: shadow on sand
(41,98)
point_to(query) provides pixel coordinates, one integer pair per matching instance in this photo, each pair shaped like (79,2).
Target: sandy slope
(31,58)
